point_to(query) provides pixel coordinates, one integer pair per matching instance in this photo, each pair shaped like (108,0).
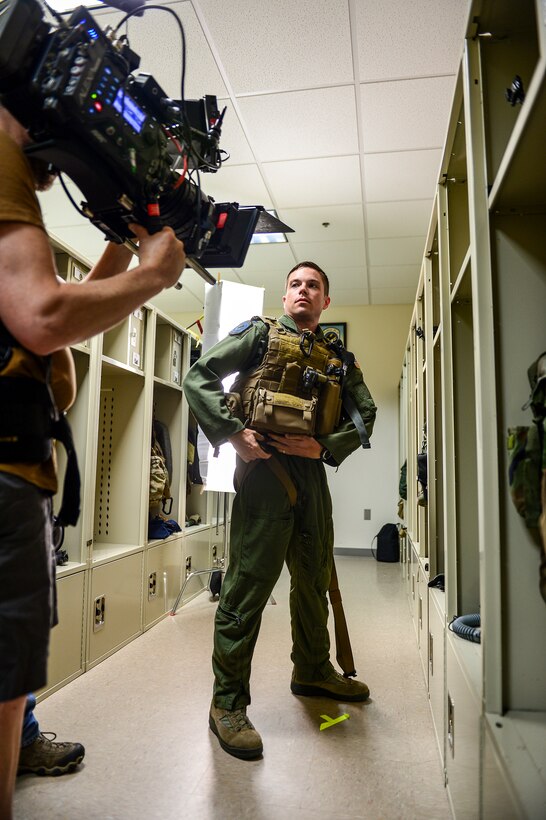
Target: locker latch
(99,615)
(451,724)
(152,585)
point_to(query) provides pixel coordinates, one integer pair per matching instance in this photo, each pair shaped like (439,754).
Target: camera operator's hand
(246,444)
(161,253)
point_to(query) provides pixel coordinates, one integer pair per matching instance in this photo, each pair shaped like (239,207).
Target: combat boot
(45,757)
(335,686)
(235,732)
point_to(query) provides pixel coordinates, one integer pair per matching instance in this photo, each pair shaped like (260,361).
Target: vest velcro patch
(242,328)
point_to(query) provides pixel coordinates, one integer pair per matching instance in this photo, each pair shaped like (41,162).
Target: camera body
(116,134)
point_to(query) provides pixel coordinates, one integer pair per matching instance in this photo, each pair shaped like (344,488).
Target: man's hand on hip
(246,444)
(294,445)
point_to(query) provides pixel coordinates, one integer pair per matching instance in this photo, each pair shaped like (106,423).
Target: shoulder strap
(349,404)
(60,431)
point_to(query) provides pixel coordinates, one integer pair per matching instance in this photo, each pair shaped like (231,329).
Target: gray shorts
(26,586)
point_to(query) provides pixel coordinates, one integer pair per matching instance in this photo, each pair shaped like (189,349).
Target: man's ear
(326,303)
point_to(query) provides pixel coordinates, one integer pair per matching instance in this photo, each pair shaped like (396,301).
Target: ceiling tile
(421,105)
(315,182)
(342,279)
(407,250)
(239,183)
(421,38)
(282,45)
(156,39)
(402,175)
(351,253)
(394,276)
(410,218)
(345,222)
(262,258)
(302,124)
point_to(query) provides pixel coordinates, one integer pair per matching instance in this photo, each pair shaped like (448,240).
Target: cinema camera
(131,150)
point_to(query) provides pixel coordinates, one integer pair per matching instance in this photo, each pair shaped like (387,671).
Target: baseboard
(361,552)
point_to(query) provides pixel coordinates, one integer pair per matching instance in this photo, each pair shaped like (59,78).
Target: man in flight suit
(267,528)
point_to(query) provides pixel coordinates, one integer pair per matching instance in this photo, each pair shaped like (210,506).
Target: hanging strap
(344,653)
(70,506)
(350,406)
(349,403)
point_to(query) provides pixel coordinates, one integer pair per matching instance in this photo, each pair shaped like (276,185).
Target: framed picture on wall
(335,330)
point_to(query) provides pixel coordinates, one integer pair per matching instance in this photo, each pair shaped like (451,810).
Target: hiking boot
(45,757)
(236,734)
(335,686)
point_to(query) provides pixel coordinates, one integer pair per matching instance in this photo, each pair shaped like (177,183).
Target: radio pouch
(329,408)
(283,413)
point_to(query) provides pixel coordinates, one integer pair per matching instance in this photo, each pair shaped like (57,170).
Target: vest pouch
(283,413)
(26,419)
(235,406)
(329,408)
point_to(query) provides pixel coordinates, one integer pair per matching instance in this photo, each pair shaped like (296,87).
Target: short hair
(313,266)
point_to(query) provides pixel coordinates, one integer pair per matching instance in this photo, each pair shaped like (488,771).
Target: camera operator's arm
(45,315)
(116,258)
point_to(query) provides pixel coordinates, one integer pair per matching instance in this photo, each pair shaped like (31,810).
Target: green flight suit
(265,530)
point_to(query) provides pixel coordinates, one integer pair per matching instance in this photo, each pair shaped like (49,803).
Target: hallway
(142,716)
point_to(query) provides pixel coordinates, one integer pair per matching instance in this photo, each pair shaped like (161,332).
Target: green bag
(525,471)
(527,464)
(160,491)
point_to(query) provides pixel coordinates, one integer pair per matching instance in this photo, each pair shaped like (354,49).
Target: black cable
(70,197)
(182,34)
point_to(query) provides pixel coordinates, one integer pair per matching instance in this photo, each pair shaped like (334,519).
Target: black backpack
(388,544)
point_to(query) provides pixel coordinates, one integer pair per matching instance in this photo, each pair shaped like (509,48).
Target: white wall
(368,478)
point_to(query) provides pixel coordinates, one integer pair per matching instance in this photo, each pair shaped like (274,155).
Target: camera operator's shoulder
(18,200)
(12,158)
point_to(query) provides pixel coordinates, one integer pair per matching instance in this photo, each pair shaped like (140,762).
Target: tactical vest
(296,388)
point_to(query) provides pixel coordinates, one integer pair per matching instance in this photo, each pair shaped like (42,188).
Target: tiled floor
(143,717)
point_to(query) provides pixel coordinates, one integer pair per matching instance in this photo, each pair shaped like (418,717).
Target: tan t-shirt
(19,203)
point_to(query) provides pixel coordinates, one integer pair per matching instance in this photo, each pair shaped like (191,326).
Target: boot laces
(48,738)
(237,720)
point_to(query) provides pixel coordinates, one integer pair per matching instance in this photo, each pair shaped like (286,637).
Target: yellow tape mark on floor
(328,721)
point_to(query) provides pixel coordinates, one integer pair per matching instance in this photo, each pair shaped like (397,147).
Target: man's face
(304,299)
